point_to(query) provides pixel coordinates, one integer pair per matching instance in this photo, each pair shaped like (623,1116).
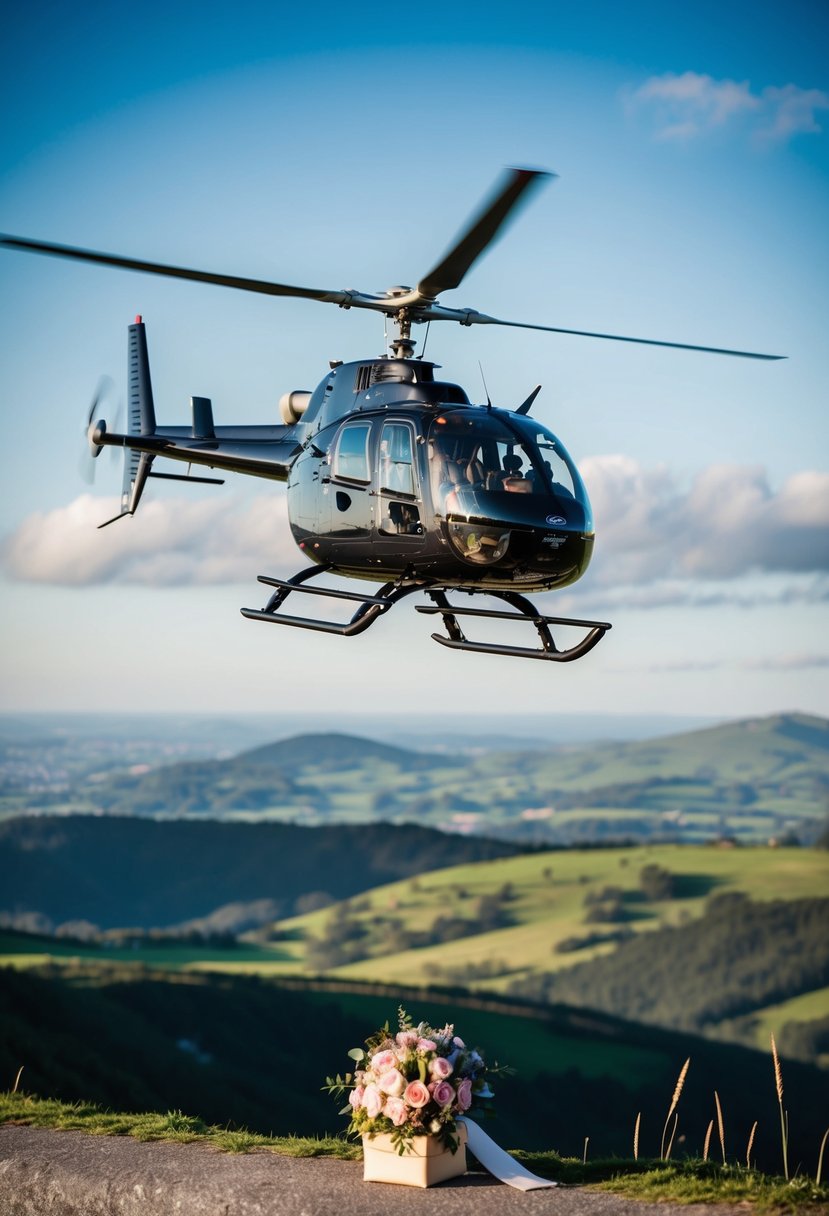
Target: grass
(690,1181)
(25,1109)
(705,1182)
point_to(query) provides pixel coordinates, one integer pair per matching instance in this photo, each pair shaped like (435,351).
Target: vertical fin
(141,408)
(140,420)
(141,416)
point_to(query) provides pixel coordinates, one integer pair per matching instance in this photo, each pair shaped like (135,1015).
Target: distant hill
(334,752)
(754,780)
(118,871)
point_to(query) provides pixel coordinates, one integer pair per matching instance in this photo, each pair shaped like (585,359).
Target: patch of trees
(656,882)
(347,939)
(740,956)
(467,973)
(570,945)
(604,906)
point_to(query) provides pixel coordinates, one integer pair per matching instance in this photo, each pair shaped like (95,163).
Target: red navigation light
(139,320)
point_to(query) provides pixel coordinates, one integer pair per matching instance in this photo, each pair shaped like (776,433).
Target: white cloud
(791,111)
(168,543)
(728,523)
(689,104)
(798,661)
(659,543)
(777,663)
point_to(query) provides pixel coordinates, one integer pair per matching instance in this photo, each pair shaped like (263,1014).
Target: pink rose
(426,1045)
(383,1060)
(416,1094)
(465,1094)
(356,1096)
(395,1110)
(443,1093)
(440,1068)
(372,1101)
(392,1082)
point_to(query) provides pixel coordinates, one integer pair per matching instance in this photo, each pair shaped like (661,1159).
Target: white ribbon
(498,1162)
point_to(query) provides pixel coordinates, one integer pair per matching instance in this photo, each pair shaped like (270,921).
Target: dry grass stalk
(720,1124)
(820,1156)
(17,1078)
(707,1144)
(674,1102)
(750,1144)
(671,1141)
(586,1142)
(636,1137)
(778,1073)
(784,1122)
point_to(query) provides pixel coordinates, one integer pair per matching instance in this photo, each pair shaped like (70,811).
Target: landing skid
(525,612)
(372,606)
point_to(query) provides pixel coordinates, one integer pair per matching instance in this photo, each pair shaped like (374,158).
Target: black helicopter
(393,475)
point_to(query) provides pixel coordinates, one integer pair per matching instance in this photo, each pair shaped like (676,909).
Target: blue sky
(344,147)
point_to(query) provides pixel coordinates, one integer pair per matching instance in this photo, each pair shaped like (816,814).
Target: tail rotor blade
(101,397)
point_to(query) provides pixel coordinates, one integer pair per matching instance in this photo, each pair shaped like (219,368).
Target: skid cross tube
(371,606)
(526,611)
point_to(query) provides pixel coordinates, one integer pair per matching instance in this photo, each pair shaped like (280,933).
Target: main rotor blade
(480,232)
(468,316)
(344,298)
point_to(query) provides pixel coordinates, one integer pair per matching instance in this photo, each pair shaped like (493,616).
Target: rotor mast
(402,344)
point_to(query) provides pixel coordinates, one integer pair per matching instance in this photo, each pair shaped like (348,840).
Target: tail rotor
(103,403)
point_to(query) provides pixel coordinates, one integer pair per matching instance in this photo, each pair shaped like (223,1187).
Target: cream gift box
(425,1163)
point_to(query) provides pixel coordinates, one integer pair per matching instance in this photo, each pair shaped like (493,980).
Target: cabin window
(397,459)
(351,458)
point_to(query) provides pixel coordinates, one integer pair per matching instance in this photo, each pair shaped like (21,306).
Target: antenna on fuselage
(486,390)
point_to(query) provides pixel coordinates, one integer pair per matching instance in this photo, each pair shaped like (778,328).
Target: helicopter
(393,475)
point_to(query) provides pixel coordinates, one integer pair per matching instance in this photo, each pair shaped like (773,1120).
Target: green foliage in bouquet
(414,1082)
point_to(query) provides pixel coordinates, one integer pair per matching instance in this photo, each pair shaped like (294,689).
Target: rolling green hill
(751,780)
(238,1050)
(623,928)
(550,901)
(626,930)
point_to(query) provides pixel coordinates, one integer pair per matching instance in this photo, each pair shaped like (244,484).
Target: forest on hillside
(740,956)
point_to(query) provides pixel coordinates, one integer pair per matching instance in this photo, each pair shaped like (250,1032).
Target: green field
(549,904)
(547,897)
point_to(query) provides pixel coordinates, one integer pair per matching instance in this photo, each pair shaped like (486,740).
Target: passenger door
(399,498)
(349,488)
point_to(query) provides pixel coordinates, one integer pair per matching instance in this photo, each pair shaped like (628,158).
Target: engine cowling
(293,405)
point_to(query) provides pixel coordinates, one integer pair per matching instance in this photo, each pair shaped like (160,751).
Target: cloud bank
(687,105)
(660,542)
(168,543)
(729,522)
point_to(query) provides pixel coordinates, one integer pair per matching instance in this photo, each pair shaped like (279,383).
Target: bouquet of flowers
(413,1083)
